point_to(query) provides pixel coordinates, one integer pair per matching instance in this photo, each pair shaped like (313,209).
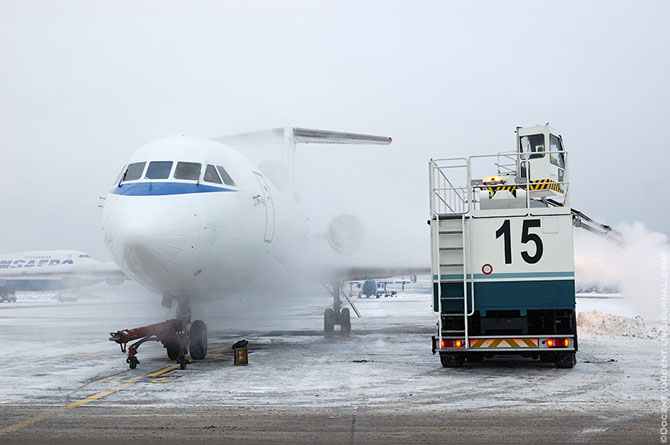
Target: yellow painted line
(163,371)
(219,351)
(100,395)
(54,412)
(111,379)
(28,422)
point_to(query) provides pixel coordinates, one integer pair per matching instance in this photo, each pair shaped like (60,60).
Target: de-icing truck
(502,252)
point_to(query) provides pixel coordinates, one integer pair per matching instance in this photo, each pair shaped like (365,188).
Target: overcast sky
(84,84)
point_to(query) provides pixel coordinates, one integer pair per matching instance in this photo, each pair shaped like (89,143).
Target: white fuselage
(201,237)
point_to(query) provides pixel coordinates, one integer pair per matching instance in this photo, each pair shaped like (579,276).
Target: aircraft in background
(377,288)
(53,270)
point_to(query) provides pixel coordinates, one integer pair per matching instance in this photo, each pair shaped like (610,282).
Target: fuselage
(42,259)
(190,217)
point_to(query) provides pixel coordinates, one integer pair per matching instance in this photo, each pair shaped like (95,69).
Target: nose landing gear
(337,315)
(179,337)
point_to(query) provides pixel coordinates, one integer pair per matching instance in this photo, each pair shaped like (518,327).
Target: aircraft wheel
(132,362)
(329,320)
(197,340)
(172,350)
(345,320)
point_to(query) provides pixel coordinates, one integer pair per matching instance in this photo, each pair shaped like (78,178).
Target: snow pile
(602,323)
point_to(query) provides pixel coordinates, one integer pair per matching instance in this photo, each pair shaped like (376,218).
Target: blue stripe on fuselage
(165,188)
(31,285)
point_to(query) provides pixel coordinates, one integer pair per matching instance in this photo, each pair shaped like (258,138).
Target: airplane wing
(356,273)
(70,274)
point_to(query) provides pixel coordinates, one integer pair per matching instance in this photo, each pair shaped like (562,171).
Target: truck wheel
(329,320)
(452,359)
(565,360)
(548,357)
(473,358)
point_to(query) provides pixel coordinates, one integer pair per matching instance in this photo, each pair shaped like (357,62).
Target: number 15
(505,231)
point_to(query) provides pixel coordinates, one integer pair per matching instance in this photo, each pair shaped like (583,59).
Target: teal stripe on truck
(498,276)
(509,295)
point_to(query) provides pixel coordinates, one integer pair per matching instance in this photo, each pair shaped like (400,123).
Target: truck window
(555,145)
(533,145)
(187,170)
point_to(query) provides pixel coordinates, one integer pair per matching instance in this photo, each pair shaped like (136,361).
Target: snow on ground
(57,353)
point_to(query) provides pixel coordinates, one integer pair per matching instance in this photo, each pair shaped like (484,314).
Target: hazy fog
(83,84)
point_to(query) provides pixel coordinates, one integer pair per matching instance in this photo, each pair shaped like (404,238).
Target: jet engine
(345,234)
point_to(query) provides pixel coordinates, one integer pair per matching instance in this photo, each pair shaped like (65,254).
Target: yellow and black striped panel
(490,343)
(539,184)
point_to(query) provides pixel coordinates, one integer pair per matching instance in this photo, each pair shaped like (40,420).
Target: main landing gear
(337,315)
(179,337)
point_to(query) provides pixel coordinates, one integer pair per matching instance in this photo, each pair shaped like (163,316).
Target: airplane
(193,219)
(377,288)
(52,270)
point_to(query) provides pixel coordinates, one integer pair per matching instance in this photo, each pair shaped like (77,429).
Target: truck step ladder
(451,248)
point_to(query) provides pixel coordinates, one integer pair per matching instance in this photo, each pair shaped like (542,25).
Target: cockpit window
(187,170)
(134,171)
(118,178)
(534,145)
(159,170)
(211,175)
(225,176)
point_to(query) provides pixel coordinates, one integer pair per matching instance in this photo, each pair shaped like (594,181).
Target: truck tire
(329,320)
(566,360)
(452,359)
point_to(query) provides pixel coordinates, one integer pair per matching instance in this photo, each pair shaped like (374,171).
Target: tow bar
(172,333)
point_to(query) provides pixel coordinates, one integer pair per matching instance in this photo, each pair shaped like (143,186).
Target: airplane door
(269,207)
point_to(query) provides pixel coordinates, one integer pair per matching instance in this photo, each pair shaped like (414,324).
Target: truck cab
(541,160)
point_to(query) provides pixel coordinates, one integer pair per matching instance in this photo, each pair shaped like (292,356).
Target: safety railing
(454,192)
(445,196)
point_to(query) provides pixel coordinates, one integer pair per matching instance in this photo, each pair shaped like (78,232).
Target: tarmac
(63,382)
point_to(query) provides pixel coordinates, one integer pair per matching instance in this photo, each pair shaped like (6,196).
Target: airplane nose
(151,241)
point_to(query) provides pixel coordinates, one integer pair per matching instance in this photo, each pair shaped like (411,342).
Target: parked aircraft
(52,270)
